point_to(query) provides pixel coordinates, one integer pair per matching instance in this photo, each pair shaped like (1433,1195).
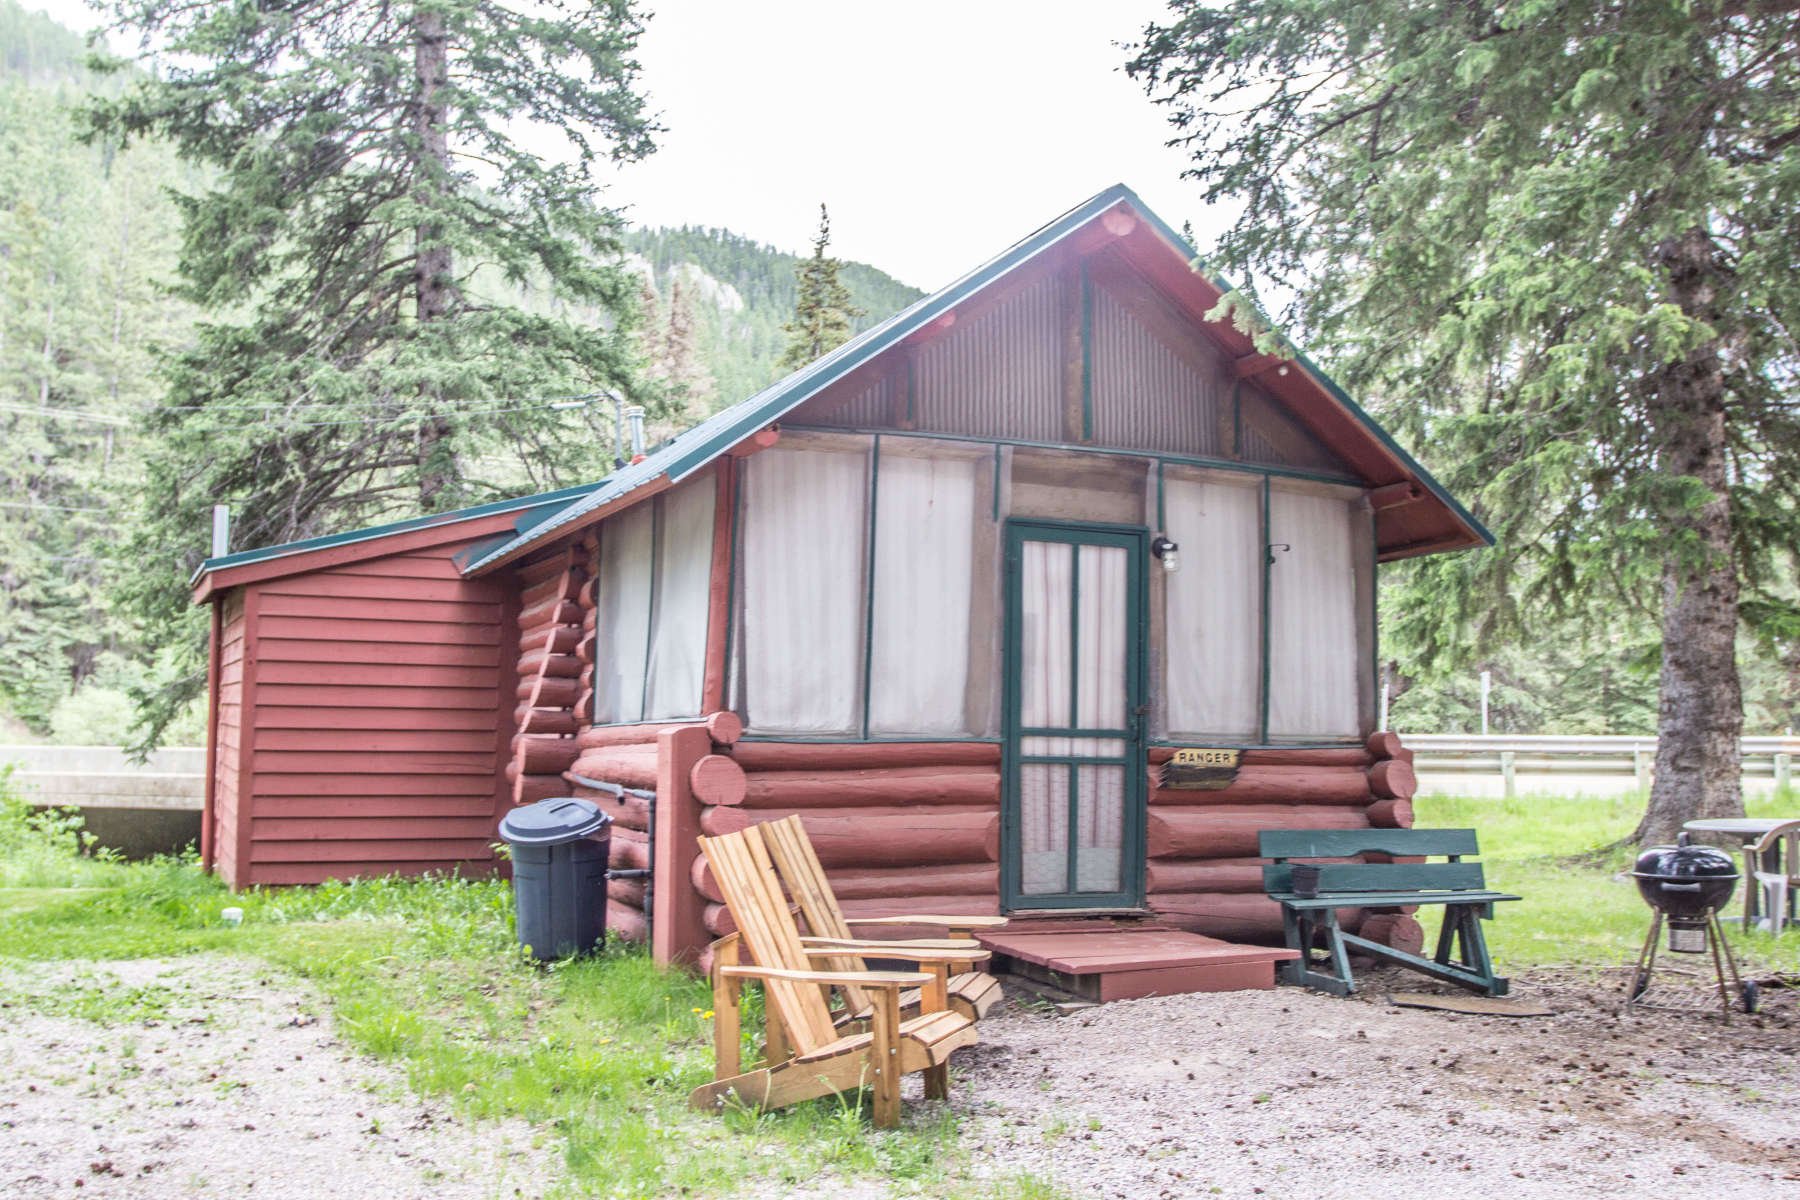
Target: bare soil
(214,1077)
(1294,1093)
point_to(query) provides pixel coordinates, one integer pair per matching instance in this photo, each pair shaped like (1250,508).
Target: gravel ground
(222,1080)
(1294,1093)
(211,1076)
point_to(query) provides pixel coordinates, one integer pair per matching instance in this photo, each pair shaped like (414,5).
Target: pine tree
(1560,239)
(823,313)
(370,222)
(681,351)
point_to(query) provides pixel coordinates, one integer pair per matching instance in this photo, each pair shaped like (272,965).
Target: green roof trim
(542,515)
(687,452)
(534,508)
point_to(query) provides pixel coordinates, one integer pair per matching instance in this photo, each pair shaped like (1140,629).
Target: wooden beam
(208,811)
(1393,495)
(756,443)
(1074,354)
(718,612)
(1251,365)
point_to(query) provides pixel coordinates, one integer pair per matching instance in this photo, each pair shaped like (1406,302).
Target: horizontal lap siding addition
(379,691)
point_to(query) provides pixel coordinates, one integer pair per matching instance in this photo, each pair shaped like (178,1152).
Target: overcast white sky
(938,133)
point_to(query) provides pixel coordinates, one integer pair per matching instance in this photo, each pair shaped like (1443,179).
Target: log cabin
(1041,598)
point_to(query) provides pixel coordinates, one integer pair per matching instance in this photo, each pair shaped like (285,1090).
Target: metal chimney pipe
(221,531)
(635,415)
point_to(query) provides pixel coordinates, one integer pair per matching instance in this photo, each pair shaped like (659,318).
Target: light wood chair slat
(969,992)
(807,1055)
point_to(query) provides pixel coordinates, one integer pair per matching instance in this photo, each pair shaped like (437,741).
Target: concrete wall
(137,810)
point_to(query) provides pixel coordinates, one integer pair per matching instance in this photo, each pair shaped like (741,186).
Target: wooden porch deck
(1103,960)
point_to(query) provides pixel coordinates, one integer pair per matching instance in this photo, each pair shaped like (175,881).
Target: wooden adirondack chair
(970,992)
(808,1056)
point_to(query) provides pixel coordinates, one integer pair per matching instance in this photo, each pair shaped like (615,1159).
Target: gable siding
(999,374)
(1155,383)
(1148,395)
(374,740)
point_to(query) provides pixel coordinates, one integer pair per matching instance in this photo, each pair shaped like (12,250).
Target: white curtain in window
(1315,648)
(804,515)
(924,553)
(1212,663)
(683,588)
(622,622)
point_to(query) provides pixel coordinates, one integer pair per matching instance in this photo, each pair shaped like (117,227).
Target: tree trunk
(1701,714)
(437,460)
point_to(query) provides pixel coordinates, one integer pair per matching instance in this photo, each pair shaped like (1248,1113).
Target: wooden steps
(1102,960)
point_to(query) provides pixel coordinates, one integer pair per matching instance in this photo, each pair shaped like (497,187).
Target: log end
(716,779)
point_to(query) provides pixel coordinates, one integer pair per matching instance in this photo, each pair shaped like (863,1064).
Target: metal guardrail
(1767,761)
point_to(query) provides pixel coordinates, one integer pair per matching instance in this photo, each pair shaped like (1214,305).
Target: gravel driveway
(222,1080)
(1293,1093)
(211,1077)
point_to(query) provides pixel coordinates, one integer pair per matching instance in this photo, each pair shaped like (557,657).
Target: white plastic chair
(1772,886)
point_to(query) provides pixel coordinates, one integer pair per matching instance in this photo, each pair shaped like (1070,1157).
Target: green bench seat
(1312,921)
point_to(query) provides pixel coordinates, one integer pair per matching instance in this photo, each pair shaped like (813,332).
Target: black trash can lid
(551,822)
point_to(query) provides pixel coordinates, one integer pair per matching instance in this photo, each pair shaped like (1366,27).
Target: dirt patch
(1290,1092)
(206,1077)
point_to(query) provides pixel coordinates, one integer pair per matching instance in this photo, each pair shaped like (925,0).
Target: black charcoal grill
(1686,886)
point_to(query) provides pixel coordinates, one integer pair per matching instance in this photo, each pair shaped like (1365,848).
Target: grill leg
(1646,961)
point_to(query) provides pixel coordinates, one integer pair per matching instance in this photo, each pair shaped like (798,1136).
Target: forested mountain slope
(88,241)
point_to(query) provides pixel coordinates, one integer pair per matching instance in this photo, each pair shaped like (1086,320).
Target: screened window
(1318,622)
(652,607)
(1213,632)
(804,516)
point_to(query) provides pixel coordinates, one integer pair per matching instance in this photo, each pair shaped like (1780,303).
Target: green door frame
(1134,540)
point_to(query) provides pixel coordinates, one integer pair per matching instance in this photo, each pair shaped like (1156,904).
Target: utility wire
(65,412)
(56,507)
(570,402)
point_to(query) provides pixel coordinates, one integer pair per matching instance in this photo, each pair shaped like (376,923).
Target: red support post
(678,932)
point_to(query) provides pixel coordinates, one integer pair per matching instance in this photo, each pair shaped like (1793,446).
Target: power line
(570,399)
(55,507)
(536,403)
(35,411)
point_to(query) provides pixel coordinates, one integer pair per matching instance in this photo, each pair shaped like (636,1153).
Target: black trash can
(559,850)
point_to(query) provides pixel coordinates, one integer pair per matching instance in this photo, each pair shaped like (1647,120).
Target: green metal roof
(687,452)
(532,509)
(698,446)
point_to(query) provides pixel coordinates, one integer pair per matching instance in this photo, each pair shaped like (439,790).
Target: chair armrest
(832,947)
(932,919)
(966,945)
(885,979)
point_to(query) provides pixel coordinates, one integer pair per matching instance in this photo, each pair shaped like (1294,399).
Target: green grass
(597,1053)
(1577,908)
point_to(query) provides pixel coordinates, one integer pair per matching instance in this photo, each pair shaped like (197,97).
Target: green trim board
(1134,540)
(688,451)
(1180,460)
(871,526)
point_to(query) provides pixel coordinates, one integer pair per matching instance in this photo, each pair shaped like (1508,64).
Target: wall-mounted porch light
(1166,552)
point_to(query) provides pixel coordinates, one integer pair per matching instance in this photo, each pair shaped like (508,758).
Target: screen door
(1073,819)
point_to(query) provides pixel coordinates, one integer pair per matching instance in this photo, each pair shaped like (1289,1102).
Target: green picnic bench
(1457,885)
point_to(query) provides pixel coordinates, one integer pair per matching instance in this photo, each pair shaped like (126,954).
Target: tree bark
(1701,713)
(432,287)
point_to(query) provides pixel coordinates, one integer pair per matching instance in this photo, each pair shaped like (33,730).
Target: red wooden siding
(370,727)
(229,734)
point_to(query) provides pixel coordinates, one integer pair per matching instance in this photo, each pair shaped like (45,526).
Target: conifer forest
(333,288)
